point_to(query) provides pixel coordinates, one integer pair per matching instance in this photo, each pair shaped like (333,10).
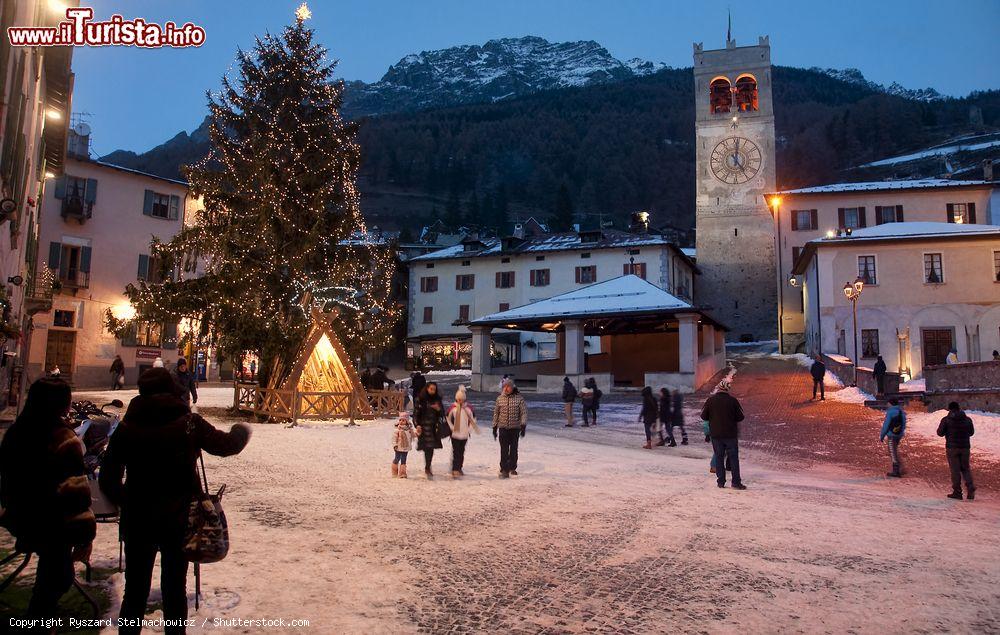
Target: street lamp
(774,204)
(853,292)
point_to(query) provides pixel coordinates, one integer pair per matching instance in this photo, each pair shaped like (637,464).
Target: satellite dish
(82,129)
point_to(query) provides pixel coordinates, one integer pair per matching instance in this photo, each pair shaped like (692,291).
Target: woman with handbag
(428,413)
(156,448)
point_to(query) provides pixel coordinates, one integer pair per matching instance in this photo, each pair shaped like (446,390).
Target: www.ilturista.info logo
(79,29)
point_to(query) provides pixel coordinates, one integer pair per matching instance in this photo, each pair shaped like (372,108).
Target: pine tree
(473,213)
(453,212)
(562,216)
(281,231)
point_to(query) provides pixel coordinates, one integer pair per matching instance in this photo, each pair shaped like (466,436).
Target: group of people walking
(148,471)
(659,416)
(432,423)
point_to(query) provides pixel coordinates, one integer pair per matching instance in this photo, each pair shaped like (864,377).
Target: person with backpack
(648,414)
(879,372)
(569,398)
(724,414)
(45,494)
(667,419)
(957,429)
(461,421)
(893,429)
(156,449)
(510,421)
(428,415)
(818,373)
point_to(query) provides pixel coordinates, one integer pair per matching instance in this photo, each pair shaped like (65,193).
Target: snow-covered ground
(589,536)
(914,385)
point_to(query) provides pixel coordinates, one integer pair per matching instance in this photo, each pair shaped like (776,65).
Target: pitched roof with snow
(605,239)
(897,232)
(622,295)
(877,186)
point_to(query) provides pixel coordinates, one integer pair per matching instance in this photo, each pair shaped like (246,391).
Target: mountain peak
(495,70)
(854,76)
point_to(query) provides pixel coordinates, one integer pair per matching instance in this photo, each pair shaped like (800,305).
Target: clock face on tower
(735,160)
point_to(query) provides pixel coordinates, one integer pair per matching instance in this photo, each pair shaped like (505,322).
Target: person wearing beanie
(957,429)
(510,420)
(185,379)
(461,419)
(158,362)
(724,413)
(155,450)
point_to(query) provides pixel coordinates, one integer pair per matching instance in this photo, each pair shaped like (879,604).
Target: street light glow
(53,114)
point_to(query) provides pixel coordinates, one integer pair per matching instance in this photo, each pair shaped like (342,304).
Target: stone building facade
(735,167)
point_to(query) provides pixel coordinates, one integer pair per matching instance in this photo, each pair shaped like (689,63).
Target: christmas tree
(281,229)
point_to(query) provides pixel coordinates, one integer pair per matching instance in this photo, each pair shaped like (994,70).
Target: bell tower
(734,136)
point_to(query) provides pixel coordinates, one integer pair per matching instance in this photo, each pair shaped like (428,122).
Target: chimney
(519,230)
(78,141)
(988,170)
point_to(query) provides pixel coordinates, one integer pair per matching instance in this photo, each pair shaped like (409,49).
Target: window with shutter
(428,315)
(147,203)
(504,306)
(862,217)
(505,279)
(85,259)
(971,207)
(143,273)
(463,313)
(586,275)
(175,207)
(814,219)
(55,253)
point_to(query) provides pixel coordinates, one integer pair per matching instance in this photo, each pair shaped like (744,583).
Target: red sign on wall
(147,353)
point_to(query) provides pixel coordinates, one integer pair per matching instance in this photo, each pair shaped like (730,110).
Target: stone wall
(866,381)
(974,385)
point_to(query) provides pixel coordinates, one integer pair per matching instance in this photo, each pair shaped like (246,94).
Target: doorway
(937,343)
(60,349)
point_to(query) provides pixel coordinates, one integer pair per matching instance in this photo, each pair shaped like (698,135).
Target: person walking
(818,372)
(461,419)
(677,412)
(724,414)
(402,443)
(117,373)
(155,449)
(569,398)
(186,381)
(648,414)
(586,402)
(45,494)
(879,371)
(591,404)
(417,383)
(666,418)
(510,421)
(957,429)
(253,369)
(892,432)
(428,412)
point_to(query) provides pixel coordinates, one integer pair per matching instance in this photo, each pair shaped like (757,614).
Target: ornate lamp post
(853,293)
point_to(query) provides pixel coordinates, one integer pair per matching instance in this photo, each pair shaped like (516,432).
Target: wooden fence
(292,405)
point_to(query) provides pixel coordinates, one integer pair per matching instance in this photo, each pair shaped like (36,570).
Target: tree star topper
(303,13)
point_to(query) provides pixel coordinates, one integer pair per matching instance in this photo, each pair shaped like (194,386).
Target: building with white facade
(97,223)
(451,287)
(36,88)
(807,214)
(928,288)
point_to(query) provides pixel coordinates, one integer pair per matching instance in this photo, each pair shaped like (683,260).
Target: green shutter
(55,253)
(90,196)
(147,203)
(175,206)
(85,259)
(61,187)
(972,213)
(951,213)
(143,267)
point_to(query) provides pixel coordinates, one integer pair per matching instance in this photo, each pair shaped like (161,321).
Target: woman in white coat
(462,420)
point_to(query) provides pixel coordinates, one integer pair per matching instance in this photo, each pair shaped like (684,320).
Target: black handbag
(207,536)
(444,430)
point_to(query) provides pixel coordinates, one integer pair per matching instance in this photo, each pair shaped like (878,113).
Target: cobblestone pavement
(784,427)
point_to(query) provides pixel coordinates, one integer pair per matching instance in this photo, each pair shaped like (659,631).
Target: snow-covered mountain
(854,76)
(496,70)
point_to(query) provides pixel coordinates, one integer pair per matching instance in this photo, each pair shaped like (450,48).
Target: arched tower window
(720,96)
(746,93)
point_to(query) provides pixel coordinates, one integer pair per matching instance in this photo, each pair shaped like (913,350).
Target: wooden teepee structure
(323,366)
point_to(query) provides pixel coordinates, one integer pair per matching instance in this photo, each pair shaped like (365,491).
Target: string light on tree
(280,232)
(303,13)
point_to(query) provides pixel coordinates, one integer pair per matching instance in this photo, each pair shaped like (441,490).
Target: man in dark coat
(879,371)
(818,372)
(417,383)
(957,430)
(45,493)
(569,398)
(724,413)
(677,416)
(186,381)
(155,448)
(117,370)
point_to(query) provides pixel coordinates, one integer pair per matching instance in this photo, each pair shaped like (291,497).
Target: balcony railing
(74,279)
(76,208)
(38,293)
